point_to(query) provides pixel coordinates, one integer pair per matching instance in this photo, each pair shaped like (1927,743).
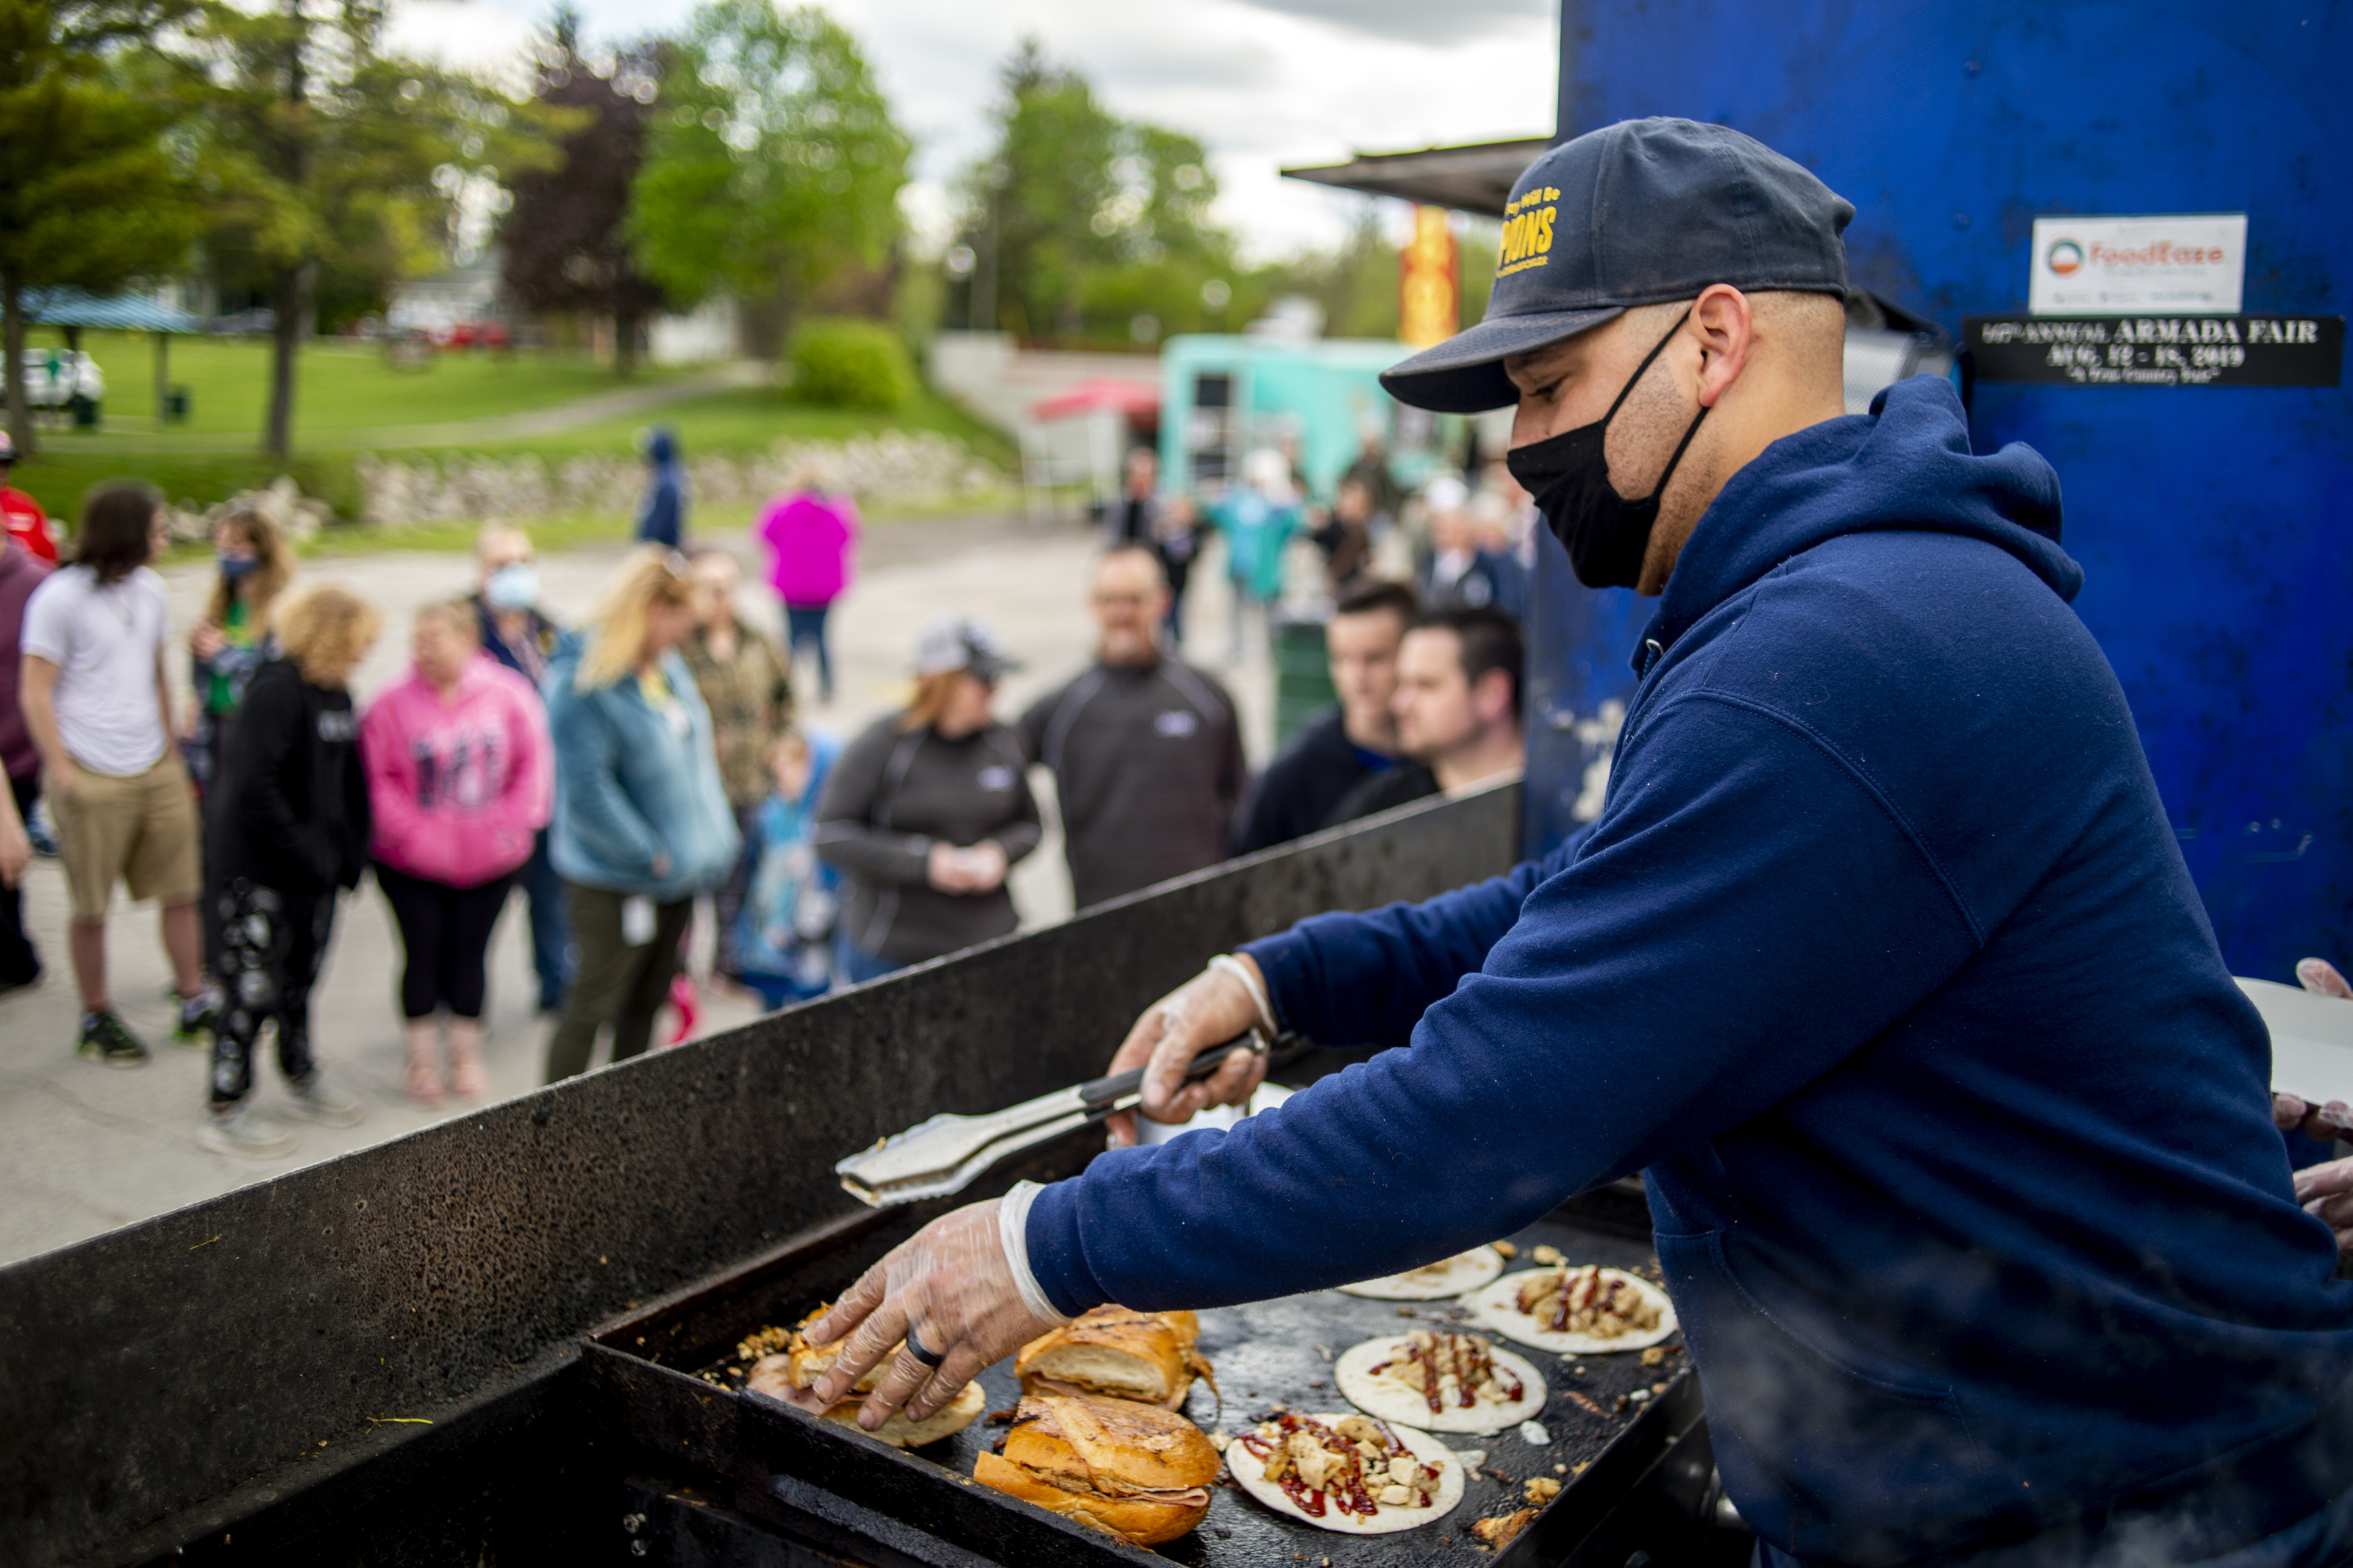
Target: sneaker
(199,1015)
(104,1039)
(235,1130)
(315,1100)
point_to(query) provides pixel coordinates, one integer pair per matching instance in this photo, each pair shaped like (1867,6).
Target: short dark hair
(1488,639)
(115,535)
(1368,598)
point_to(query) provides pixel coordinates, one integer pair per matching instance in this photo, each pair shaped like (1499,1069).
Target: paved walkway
(84,1148)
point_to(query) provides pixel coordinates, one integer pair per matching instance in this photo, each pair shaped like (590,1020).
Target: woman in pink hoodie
(813,535)
(461,777)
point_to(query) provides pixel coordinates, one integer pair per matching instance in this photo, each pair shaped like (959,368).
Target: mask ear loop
(1628,391)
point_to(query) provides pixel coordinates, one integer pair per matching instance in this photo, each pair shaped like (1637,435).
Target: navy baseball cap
(1639,212)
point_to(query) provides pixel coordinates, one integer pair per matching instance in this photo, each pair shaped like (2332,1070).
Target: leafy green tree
(1082,223)
(322,153)
(773,166)
(90,194)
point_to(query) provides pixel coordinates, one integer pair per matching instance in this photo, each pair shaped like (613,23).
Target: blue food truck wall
(2215,524)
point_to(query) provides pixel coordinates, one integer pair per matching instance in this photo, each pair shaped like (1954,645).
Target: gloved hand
(2332,1120)
(1207,1010)
(951,1284)
(2317,975)
(2326,1122)
(2326,1193)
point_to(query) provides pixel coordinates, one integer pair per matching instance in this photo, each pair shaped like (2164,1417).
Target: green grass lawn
(341,389)
(348,401)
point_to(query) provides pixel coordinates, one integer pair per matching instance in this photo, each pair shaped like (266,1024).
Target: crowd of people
(653,759)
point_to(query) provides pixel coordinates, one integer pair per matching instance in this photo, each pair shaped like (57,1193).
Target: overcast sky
(1264,83)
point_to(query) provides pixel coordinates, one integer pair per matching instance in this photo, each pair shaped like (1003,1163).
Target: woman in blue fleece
(641,822)
(1961,1160)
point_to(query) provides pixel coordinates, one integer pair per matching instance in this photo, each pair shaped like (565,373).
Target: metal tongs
(944,1155)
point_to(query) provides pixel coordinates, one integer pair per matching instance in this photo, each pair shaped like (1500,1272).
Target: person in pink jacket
(813,535)
(461,777)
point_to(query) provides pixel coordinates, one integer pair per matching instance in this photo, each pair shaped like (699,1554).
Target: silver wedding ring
(915,1347)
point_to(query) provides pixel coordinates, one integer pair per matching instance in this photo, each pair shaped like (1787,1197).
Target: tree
(323,152)
(1080,221)
(774,165)
(91,195)
(566,248)
(1356,282)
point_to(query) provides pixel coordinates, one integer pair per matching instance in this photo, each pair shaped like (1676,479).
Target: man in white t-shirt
(96,698)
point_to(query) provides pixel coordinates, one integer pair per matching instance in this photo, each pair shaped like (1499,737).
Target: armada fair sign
(2190,264)
(2156,350)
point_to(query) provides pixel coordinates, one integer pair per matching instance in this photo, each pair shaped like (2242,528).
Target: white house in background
(454,298)
(710,332)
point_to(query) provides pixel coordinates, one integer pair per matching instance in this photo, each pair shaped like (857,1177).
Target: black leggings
(447,934)
(271,944)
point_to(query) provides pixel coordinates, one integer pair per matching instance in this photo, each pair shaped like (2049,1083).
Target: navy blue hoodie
(1883,963)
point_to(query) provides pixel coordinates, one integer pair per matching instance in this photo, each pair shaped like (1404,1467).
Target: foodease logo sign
(2191,265)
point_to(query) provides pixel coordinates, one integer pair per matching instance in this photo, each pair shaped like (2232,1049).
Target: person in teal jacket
(1258,521)
(641,822)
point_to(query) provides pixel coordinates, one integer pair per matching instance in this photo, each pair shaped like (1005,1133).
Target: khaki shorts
(141,830)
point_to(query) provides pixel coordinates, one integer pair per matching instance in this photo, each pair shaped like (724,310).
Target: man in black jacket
(1458,712)
(1146,750)
(1355,740)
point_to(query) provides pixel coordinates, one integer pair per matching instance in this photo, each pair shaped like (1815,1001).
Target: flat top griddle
(1267,1355)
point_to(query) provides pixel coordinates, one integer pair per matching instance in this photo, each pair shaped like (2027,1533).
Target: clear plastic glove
(2326,1122)
(950,1282)
(1207,1010)
(2326,1193)
(2319,975)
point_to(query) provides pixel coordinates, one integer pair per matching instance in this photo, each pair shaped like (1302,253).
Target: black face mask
(1568,478)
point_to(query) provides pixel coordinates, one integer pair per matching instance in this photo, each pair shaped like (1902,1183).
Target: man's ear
(1722,324)
(1492,698)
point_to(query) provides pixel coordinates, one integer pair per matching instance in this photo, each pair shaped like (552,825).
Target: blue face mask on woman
(513,586)
(234,569)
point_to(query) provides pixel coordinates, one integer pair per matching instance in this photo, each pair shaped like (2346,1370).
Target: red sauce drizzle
(1594,1287)
(1348,1487)
(1475,1361)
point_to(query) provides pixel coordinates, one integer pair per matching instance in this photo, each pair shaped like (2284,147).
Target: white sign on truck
(2191,265)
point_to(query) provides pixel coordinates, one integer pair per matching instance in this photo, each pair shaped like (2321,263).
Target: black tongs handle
(1102,1091)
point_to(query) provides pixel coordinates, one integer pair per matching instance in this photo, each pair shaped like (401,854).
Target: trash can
(84,409)
(1302,675)
(175,405)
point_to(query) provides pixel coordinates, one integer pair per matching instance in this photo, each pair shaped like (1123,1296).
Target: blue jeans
(551,926)
(806,623)
(853,965)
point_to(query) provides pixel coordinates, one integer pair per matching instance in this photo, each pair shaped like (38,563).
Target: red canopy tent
(1136,399)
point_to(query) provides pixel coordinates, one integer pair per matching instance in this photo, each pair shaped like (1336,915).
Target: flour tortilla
(1498,1308)
(1250,1475)
(1434,1281)
(1400,1405)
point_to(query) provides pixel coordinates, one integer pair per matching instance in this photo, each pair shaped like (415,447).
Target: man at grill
(1881,964)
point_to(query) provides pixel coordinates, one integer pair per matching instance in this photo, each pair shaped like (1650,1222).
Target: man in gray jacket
(1145,750)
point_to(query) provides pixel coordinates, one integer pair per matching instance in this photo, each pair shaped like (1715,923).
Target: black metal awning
(1474,179)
